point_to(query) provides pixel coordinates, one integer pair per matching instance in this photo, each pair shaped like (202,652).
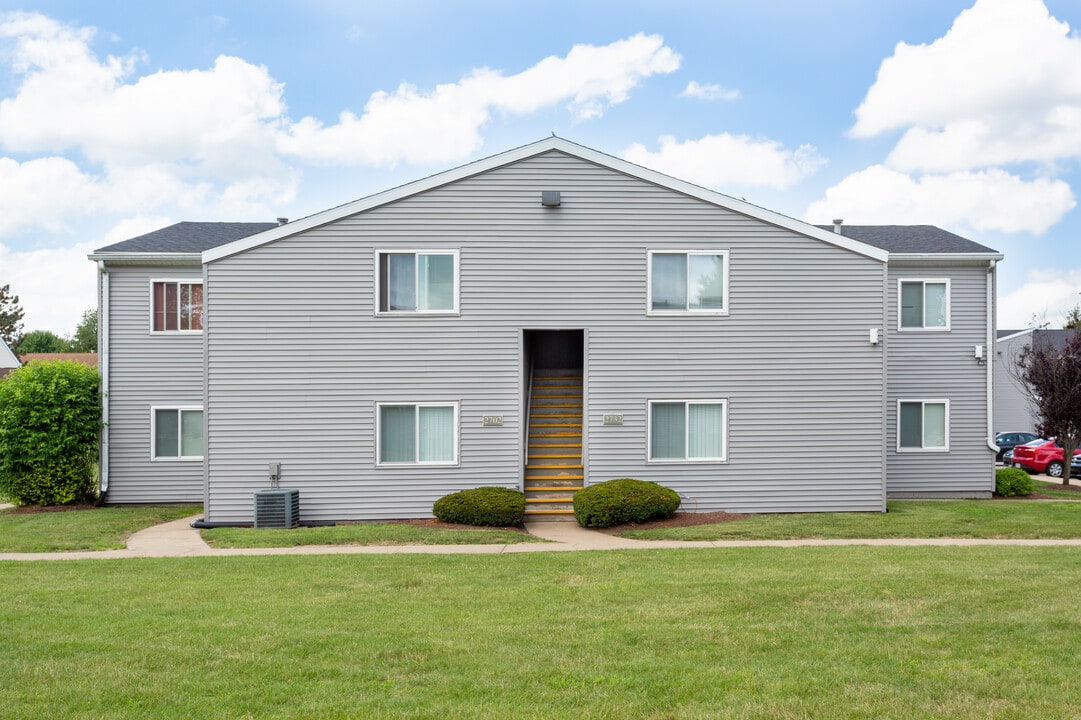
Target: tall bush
(49,420)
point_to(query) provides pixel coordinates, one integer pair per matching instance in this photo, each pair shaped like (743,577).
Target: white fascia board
(527,151)
(1015,335)
(974,258)
(147,258)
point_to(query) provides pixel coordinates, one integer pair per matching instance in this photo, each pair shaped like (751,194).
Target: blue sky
(118,118)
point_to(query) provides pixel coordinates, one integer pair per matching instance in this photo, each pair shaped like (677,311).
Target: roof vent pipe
(837,225)
(282,221)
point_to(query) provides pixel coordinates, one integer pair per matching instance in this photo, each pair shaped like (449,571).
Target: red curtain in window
(196,307)
(159,307)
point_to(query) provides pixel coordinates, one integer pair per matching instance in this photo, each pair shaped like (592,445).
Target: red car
(1041,456)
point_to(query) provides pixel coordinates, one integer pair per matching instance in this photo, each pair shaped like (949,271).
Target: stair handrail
(528,414)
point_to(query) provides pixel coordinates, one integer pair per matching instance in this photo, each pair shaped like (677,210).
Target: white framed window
(176,306)
(688,430)
(923,425)
(692,281)
(176,433)
(417,433)
(923,304)
(417,282)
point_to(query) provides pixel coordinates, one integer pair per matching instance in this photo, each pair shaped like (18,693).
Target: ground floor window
(923,424)
(176,433)
(418,433)
(693,430)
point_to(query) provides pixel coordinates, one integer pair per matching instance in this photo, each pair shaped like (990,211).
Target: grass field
(905,519)
(750,633)
(94,529)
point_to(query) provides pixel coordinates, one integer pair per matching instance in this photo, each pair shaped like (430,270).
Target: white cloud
(1046,295)
(705,91)
(985,200)
(219,143)
(1003,85)
(726,161)
(444,124)
(54,286)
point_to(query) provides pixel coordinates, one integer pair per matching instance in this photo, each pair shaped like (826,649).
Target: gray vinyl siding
(1013,408)
(934,365)
(297,359)
(148,370)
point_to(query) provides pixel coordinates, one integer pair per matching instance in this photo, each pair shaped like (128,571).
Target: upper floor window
(925,305)
(177,306)
(688,282)
(418,282)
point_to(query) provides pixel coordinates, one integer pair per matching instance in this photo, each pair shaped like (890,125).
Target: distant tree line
(83,340)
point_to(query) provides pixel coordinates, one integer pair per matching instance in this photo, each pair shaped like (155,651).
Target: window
(923,425)
(177,306)
(925,305)
(418,282)
(176,433)
(693,430)
(688,282)
(421,434)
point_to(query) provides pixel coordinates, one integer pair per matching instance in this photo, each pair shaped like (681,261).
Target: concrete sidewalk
(179,539)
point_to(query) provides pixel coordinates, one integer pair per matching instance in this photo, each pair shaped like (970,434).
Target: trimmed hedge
(1010,482)
(626,500)
(488,506)
(49,421)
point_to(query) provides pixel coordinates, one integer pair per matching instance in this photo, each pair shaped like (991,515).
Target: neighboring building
(1014,410)
(8,361)
(545,319)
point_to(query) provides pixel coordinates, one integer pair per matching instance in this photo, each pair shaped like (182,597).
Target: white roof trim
(7,358)
(527,151)
(1017,334)
(975,257)
(192,257)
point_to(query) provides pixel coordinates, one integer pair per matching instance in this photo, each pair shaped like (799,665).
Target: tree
(41,341)
(11,316)
(85,339)
(49,420)
(1073,319)
(1050,373)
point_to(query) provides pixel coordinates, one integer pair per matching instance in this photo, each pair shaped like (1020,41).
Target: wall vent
(278,509)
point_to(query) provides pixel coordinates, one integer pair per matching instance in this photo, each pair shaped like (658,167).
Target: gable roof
(911,239)
(186,237)
(526,151)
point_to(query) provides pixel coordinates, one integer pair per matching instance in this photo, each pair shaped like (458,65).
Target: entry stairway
(554,470)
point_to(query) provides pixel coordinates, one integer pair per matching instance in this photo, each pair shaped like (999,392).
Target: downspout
(990,355)
(103,368)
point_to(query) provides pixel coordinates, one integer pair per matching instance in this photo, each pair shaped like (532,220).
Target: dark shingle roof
(188,237)
(910,238)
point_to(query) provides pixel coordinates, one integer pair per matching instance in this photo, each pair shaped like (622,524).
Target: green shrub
(623,501)
(49,420)
(492,506)
(1013,481)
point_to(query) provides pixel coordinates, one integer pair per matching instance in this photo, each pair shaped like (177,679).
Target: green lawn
(886,632)
(1055,490)
(105,528)
(905,519)
(362,534)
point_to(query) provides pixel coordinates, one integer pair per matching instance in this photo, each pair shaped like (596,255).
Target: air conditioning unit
(279,509)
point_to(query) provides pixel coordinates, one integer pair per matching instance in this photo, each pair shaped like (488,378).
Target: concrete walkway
(179,539)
